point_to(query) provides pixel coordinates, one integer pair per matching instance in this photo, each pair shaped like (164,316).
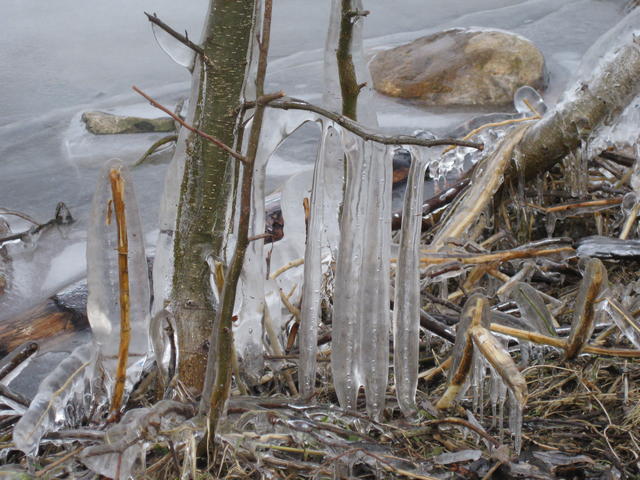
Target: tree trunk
(207,187)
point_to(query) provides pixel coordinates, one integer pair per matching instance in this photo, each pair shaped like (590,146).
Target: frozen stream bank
(61,60)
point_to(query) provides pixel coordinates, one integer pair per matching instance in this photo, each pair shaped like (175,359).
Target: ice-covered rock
(460,67)
(101,123)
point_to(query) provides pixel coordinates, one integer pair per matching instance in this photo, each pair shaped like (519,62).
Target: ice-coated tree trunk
(207,182)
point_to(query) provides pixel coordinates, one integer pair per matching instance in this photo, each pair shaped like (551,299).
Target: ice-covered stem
(562,343)
(206,187)
(472,315)
(484,184)
(218,372)
(362,131)
(117,193)
(349,86)
(593,283)
(595,101)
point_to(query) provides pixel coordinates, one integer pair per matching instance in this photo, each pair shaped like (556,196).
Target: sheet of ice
(103,301)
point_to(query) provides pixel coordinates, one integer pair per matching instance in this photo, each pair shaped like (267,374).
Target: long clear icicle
(406,312)
(321,236)
(103,302)
(345,343)
(374,299)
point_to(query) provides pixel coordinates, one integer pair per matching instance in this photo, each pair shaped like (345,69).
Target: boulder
(460,68)
(100,123)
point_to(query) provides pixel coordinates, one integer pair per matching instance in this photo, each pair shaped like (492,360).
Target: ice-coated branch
(204,135)
(117,192)
(361,131)
(349,86)
(594,101)
(178,36)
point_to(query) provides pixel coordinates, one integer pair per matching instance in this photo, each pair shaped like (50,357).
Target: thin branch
(178,36)
(62,217)
(117,192)
(206,136)
(356,128)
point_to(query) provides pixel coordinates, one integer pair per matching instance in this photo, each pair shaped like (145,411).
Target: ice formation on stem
(61,399)
(406,310)
(103,302)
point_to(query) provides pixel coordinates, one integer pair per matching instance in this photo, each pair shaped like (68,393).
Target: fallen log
(52,319)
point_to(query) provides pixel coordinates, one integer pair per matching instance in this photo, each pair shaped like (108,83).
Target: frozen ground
(62,58)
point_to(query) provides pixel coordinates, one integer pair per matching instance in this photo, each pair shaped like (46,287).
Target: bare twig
(155,146)
(204,135)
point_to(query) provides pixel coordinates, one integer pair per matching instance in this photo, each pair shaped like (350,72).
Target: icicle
(406,312)
(248,328)
(515,422)
(533,309)
(322,233)
(528,101)
(374,289)
(347,376)
(103,302)
(60,401)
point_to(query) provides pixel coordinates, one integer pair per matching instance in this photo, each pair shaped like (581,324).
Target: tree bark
(208,181)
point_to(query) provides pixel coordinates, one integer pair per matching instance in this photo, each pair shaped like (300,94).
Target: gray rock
(100,123)
(460,68)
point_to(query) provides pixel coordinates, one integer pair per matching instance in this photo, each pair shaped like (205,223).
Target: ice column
(103,302)
(375,314)
(406,311)
(345,343)
(322,239)
(359,342)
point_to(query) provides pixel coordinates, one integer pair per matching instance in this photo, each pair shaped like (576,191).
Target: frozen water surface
(59,59)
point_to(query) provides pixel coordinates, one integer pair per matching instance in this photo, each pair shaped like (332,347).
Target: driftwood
(46,321)
(597,100)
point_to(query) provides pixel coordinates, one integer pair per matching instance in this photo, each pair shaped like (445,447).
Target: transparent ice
(103,301)
(406,311)
(63,399)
